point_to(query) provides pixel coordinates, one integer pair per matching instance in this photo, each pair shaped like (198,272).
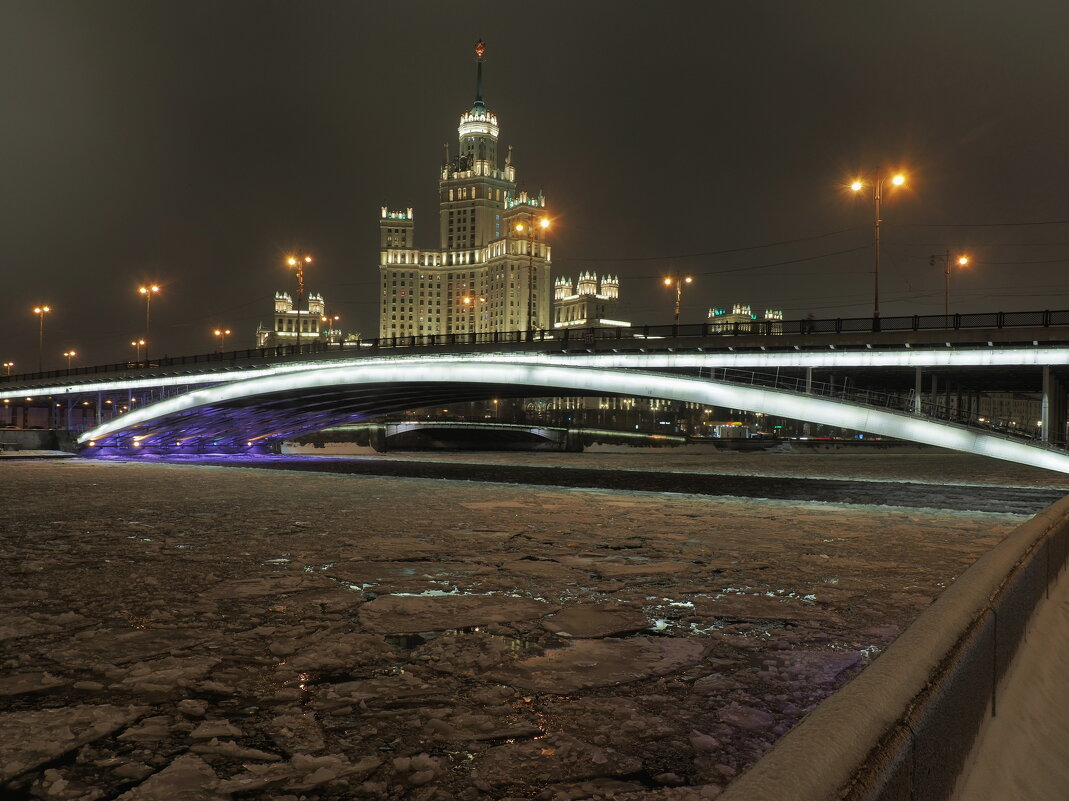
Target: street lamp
(962,260)
(898,179)
(298,261)
(8,366)
(137,343)
(330,320)
(148,291)
(222,334)
(70,354)
(473,310)
(678,281)
(531,230)
(41,311)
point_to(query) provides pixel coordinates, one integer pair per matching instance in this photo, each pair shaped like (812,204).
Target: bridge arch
(279,406)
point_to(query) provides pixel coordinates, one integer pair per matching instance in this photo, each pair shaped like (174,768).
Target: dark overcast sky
(195,143)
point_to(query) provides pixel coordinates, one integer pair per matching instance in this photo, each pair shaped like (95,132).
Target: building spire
(480,48)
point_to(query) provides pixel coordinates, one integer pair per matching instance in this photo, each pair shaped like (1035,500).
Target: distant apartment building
(742,320)
(588,302)
(310,325)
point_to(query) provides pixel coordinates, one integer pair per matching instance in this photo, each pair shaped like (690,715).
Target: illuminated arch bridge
(279,404)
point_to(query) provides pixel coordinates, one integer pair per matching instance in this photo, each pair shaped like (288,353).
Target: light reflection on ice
(356,587)
(432,593)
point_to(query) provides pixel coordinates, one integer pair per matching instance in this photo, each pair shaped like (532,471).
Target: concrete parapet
(903,728)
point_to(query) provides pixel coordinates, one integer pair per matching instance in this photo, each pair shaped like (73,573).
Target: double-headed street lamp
(8,366)
(148,291)
(299,260)
(330,320)
(70,354)
(898,179)
(41,311)
(138,343)
(473,310)
(678,281)
(222,334)
(961,260)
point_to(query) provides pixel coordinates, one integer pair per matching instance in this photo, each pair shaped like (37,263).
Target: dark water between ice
(959,497)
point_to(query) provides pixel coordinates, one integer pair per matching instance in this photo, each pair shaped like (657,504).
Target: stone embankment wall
(902,730)
(28,439)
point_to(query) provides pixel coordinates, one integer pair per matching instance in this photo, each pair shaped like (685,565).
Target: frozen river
(281,634)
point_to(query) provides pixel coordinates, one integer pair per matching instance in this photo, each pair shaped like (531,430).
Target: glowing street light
(330,320)
(222,334)
(473,310)
(962,261)
(41,311)
(531,229)
(148,291)
(138,343)
(898,179)
(678,281)
(70,354)
(299,260)
(8,366)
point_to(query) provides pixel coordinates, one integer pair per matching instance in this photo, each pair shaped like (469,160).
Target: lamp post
(222,334)
(8,366)
(70,354)
(137,343)
(473,310)
(148,291)
(898,179)
(299,260)
(41,311)
(531,230)
(330,320)
(962,260)
(678,281)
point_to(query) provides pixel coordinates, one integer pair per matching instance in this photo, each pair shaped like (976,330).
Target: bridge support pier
(807,427)
(377,438)
(918,388)
(1054,408)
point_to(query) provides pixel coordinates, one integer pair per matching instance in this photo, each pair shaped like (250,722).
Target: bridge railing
(711,331)
(892,401)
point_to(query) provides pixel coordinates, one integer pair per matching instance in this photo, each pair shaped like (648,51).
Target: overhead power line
(713,252)
(983,225)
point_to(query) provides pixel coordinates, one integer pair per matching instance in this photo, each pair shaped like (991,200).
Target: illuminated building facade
(491,270)
(587,303)
(742,320)
(288,321)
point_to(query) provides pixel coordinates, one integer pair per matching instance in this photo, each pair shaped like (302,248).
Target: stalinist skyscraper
(491,270)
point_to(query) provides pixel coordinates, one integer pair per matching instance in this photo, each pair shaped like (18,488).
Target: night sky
(196,143)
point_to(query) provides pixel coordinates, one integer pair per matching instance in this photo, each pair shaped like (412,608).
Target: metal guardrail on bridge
(561,338)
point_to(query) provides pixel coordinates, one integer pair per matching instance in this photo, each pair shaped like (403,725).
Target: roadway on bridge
(962,497)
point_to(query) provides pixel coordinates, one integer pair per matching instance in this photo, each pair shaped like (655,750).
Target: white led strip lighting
(560,379)
(990,357)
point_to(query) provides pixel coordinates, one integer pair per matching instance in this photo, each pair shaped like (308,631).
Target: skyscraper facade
(491,269)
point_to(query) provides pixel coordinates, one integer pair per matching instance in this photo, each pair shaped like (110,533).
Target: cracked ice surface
(194,632)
